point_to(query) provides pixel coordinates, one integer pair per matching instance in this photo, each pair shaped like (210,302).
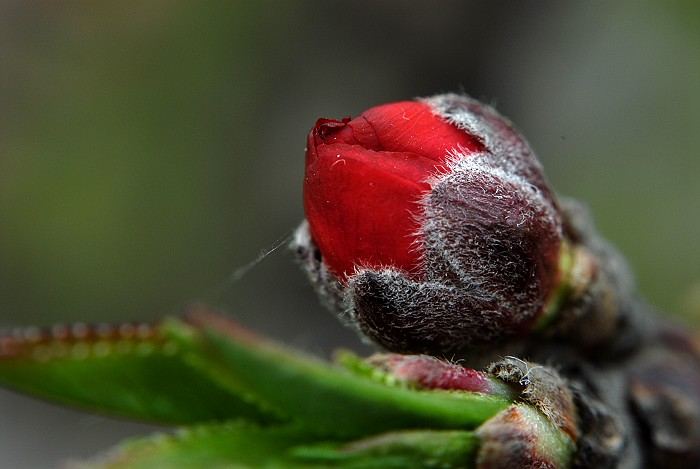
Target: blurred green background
(148,149)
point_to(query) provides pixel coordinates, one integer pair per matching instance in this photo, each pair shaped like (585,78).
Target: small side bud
(541,432)
(426,372)
(522,437)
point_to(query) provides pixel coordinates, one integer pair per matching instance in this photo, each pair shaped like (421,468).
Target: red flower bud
(364,180)
(432,373)
(430,223)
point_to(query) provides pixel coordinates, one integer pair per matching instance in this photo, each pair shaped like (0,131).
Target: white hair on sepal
(326,285)
(450,107)
(509,149)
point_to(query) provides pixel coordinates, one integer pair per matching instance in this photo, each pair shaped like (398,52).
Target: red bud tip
(364,180)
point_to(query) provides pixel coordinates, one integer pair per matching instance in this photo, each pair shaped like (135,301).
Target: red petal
(411,126)
(361,206)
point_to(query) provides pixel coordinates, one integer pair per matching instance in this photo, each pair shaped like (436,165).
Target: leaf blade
(224,445)
(241,445)
(132,371)
(322,395)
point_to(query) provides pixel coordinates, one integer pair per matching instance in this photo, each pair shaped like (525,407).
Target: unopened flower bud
(427,372)
(430,224)
(540,428)
(364,181)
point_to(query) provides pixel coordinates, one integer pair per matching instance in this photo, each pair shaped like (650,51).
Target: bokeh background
(149,149)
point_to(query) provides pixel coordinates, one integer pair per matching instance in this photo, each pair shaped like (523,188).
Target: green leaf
(412,449)
(228,445)
(241,445)
(330,399)
(206,367)
(135,371)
